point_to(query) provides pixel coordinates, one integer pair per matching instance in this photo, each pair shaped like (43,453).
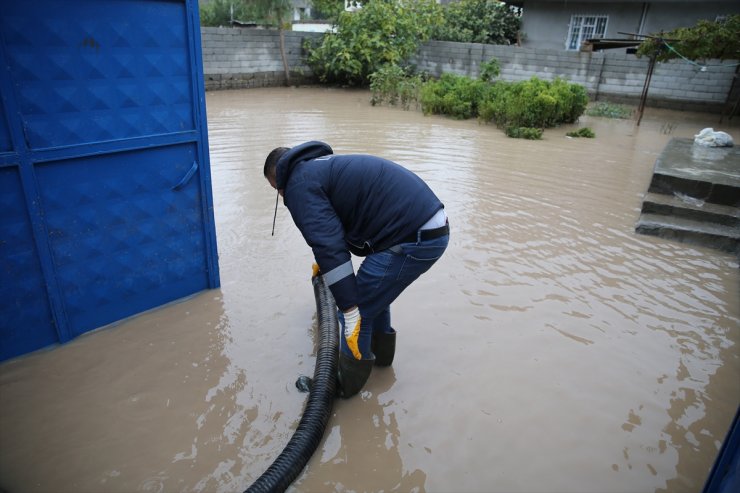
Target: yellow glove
(352,323)
(315,269)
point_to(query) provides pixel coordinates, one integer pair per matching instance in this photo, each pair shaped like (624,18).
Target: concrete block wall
(516,63)
(674,84)
(248,57)
(239,57)
(620,77)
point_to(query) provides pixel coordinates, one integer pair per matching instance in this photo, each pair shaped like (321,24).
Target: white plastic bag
(709,138)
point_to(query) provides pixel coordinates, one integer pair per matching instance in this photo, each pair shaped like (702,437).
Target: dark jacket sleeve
(322,229)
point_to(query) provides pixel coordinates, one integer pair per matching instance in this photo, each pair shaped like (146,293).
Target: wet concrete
(694,196)
(552,348)
(710,174)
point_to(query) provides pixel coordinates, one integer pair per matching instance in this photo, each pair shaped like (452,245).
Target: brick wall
(238,57)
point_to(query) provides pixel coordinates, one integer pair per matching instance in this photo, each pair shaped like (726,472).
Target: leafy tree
(327,9)
(382,32)
(479,21)
(707,39)
(278,13)
(270,12)
(220,12)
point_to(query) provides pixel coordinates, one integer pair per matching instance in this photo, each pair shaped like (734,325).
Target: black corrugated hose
(307,436)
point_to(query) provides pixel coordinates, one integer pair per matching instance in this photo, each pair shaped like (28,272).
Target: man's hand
(352,321)
(315,269)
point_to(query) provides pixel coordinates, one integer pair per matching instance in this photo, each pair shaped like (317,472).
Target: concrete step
(694,196)
(687,207)
(705,173)
(725,238)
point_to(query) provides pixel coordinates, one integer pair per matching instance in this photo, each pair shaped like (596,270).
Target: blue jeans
(381,278)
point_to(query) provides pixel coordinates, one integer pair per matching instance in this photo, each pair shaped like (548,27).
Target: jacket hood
(297,154)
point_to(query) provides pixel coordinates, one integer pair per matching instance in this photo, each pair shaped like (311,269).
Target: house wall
(545,24)
(668,16)
(238,58)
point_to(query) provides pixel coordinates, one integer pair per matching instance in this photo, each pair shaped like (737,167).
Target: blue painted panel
(6,144)
(104,172)
(25,318)
(123,240)
(88,71)
(725,474)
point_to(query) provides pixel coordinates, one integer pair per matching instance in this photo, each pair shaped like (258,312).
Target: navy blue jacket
(350,203)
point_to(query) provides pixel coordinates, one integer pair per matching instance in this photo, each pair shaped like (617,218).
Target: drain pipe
(304,442)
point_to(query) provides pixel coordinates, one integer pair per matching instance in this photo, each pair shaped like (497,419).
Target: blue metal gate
(105,192)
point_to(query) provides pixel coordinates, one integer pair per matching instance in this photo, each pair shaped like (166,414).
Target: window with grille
(583,27)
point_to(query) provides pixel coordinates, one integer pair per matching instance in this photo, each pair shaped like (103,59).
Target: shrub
(582,132)
(392,85)
(572,100)
(454,95)
(489,70)
(521,108)
(524,133)
(609,110)
(534,103)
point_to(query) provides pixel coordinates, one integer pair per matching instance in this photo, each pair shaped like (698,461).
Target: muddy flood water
(551,349)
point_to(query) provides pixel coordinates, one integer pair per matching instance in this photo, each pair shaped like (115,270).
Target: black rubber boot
(383,345)
(352,375)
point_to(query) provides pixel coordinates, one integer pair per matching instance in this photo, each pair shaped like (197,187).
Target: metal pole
(645,87)
(729,96)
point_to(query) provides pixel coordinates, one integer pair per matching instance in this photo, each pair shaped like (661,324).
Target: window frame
(578,22)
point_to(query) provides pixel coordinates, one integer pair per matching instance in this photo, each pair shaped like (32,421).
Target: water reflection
(361,453)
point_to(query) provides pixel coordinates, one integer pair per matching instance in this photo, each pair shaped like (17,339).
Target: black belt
(427,234)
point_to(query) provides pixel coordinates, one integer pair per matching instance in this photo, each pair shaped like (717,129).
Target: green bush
(520,104)
(489,70)
(529,133)
(582,132)
(572,100)
(534,103)
(392,85)
(609,110)
(454,95)
(522,109)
